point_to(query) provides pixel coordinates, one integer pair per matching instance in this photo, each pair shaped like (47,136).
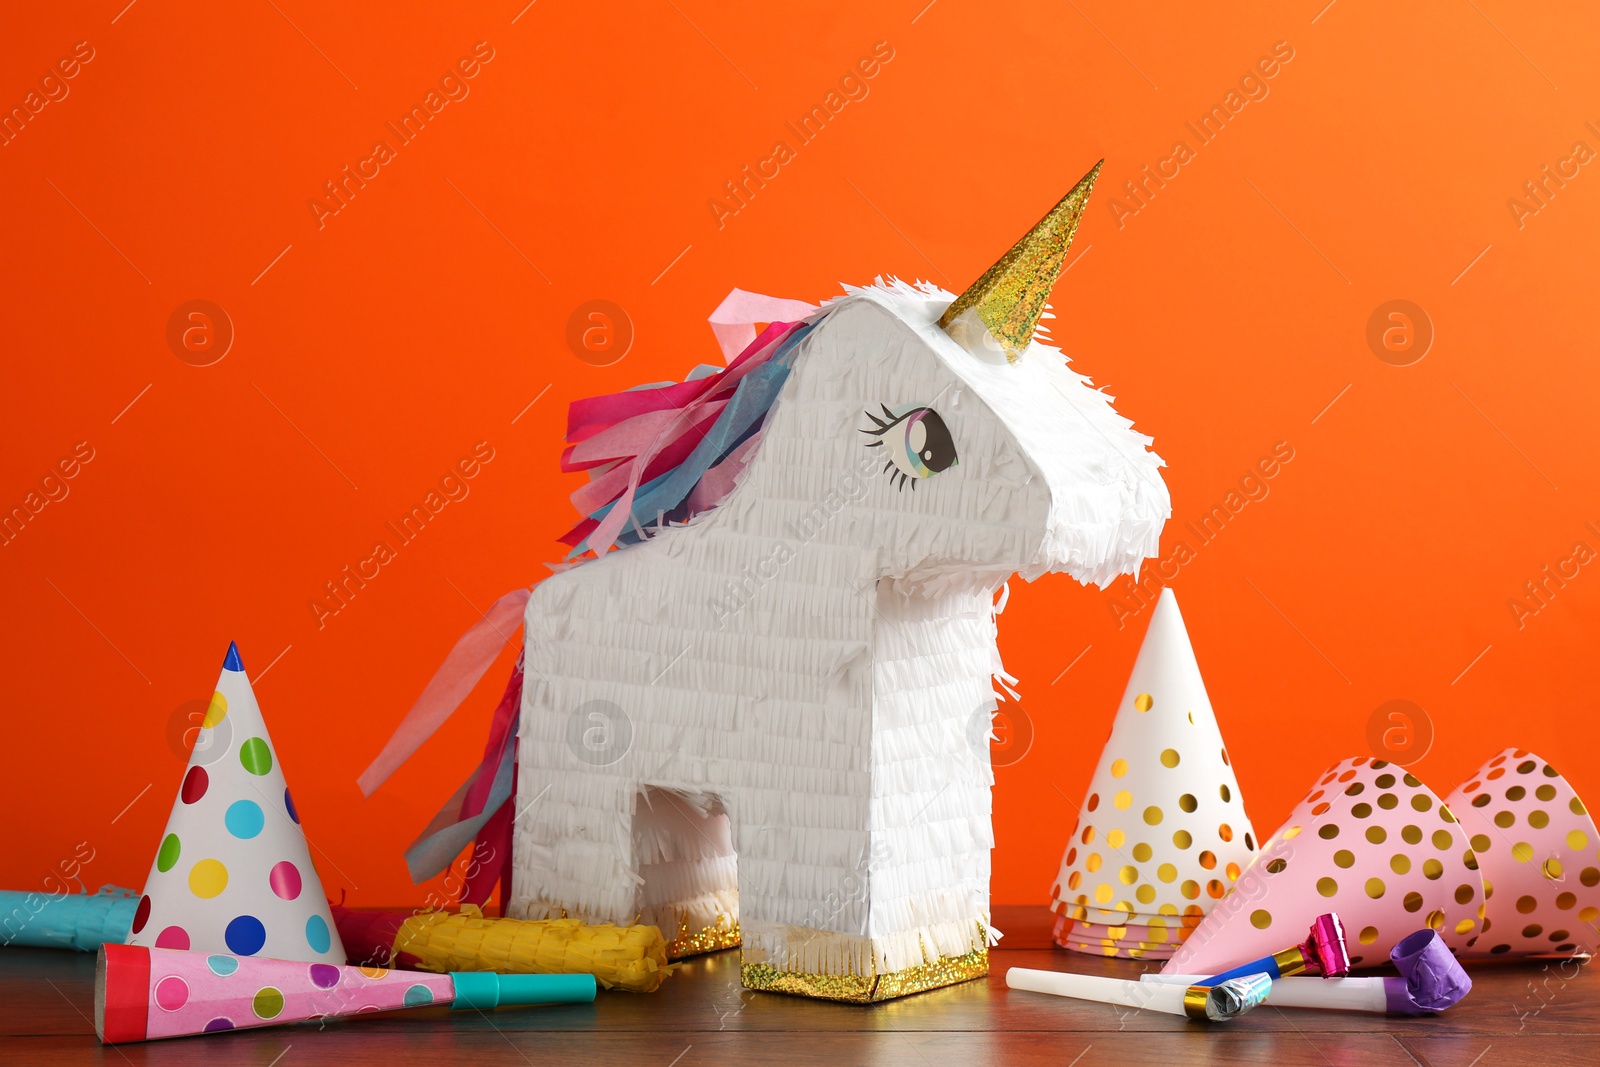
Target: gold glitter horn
(1011,295)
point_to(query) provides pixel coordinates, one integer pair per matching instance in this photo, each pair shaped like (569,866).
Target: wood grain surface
(1529,1012)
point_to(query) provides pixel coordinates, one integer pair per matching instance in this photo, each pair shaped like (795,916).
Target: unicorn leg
(933,700)
(902,905)
(573,851)
(803,896)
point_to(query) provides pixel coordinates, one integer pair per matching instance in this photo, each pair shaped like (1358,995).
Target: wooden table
(1518,1013)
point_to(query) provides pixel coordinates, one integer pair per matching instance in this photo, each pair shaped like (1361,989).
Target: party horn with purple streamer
(141,994)
(1430,980)
(1322,953)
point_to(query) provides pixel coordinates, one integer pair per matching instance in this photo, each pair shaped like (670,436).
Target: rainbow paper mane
(661,454)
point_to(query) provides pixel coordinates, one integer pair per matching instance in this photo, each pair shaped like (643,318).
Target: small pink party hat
(233,872)
(1536,846)
(1369,842)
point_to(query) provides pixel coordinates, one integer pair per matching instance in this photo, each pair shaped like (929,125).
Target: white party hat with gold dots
(1162,833)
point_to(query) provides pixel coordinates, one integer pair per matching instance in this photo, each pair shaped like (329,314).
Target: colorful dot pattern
(285,880)
(1369,842)
(192,992)
(171,849)
(1536,846)
(171,993)
(318,936)
(256,756)
(208,878)
(1162,834)
(245,935)
(267,1003)
(195,783)
(232,873)
(173,937)
(244,819)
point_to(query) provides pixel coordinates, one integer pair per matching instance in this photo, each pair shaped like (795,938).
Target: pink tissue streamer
(461,670)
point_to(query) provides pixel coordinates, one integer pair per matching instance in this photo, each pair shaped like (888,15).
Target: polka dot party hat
(1130,941)
(1369,843)
(1162,833)
(1539,855)
(233,873)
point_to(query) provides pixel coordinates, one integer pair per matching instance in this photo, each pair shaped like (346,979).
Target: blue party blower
(1322,953)
(78,921)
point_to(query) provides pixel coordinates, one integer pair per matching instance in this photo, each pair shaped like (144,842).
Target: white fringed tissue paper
(759,714)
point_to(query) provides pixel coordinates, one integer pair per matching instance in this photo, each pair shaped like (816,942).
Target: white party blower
(1218,1003)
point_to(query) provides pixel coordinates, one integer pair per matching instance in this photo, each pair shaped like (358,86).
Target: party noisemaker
(1322,953)
(1201,1003)
(141,994)
(1430,981)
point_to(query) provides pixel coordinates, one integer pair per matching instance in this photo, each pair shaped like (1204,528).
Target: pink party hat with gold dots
(1539,855)
(1162,832)
(1370,843)
(233,873)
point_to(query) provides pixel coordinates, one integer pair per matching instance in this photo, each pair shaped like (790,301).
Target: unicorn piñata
(757,712)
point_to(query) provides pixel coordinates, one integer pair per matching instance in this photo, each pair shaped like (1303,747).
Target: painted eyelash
(883,426)
(937,447)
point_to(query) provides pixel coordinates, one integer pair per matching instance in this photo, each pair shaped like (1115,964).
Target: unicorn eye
(915,440)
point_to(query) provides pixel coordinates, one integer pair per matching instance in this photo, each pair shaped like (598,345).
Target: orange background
(1225,316)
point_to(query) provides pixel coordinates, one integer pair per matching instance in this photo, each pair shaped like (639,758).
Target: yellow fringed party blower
(633,958)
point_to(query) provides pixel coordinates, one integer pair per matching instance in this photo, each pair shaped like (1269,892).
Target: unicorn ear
(1011,295)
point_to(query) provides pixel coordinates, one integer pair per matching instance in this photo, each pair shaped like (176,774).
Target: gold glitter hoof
(722,935)
(871,988)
